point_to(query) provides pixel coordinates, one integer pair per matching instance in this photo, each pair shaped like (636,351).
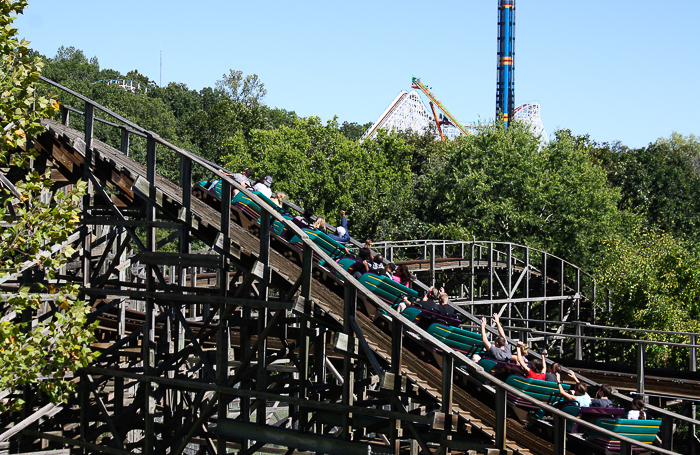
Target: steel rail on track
(502,389)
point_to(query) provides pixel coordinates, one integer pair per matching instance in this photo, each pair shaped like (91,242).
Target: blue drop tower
(505,83)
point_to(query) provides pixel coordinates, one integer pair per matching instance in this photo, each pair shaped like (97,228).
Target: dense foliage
(35,221)
(654,279)
(577,199)
(498,185)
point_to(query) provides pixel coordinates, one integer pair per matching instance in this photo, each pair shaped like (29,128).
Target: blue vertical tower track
(505,83)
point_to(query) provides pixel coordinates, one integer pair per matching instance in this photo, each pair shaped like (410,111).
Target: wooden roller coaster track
(284,352)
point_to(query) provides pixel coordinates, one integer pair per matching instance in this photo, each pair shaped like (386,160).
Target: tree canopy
(654,283)
(498,185)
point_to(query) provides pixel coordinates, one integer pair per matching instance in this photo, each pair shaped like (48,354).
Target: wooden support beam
(29,420)
(304,335)
(170,298)
(371,358)
(87,177)
(349,308)
(178,259)
(114,264)
(148,345)
(501,418)
(103,410)
(96,448)
(106,221)
(396,358)
(289,438)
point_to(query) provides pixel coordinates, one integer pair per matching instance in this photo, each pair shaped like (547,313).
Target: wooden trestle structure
(280,354)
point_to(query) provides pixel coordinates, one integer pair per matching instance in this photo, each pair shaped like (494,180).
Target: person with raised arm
(342,235)
(535,369)
(500,349)
(580,395)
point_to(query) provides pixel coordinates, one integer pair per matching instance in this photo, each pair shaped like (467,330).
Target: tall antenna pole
(160,83)
(505,83)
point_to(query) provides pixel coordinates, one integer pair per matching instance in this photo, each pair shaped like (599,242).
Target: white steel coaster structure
(126,84)
(451,132)
(529,114)
(406,112)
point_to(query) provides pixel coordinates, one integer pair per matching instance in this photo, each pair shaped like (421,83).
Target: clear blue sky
(616,70)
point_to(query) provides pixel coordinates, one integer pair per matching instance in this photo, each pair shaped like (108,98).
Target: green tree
(211,129)
(181,100)
(248,90)
(71,68)
(654,283)
(661,182)
(42,354)
(277,117)
(498,185)
(321,169)
(353,131)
